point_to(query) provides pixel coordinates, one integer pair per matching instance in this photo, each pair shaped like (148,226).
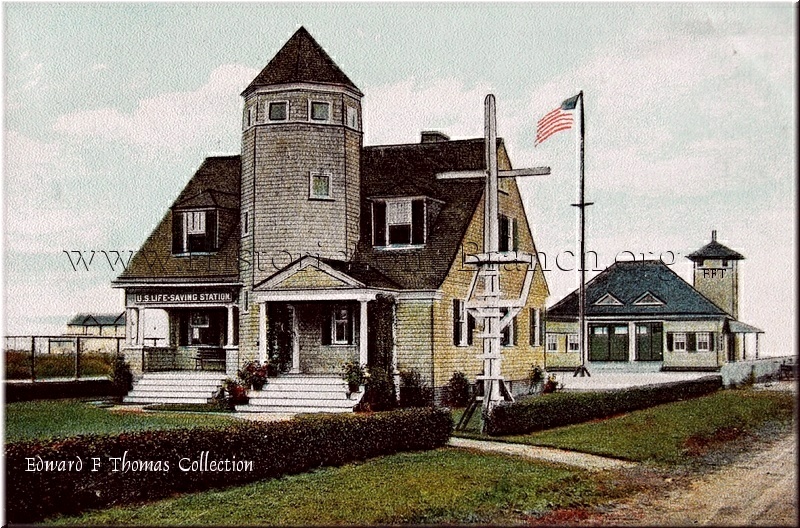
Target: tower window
(724,263)
(352,117)
(320,184)
(278,111)
(320,111)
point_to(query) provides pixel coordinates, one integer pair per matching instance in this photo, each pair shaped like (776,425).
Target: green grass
(442,486)
(61,418)
(673,433)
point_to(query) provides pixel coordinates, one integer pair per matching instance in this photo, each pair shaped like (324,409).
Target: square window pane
(277,111)
(320,185)
(400,234)
(320,111)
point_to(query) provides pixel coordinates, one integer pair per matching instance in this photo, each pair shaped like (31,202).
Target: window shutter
(532,325)
(502,239)
(177,232)
(513,337)
(379,223)
(212,230)
(669,341)
(514,235)
(470,328)
(712,341)
(327,327)
(542,325)
(351,323)
(456,322)
(418,222)
(691,342)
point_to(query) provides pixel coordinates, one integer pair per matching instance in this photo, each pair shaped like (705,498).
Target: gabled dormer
(648,299)
(195,231)
(608,300)
(402,221)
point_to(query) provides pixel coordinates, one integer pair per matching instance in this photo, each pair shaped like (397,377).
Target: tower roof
(714,250)
(301,59)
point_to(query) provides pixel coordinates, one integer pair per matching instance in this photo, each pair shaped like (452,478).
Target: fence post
(33,358)
(77,357)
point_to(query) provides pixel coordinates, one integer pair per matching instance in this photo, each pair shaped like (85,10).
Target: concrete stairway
(302,394)
(175,387)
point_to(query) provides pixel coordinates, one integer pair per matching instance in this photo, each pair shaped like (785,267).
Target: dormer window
(352,117)
(320,111)
(278,111)
(194,231)
(398,222)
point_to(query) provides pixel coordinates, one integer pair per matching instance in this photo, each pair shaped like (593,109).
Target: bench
(212,356)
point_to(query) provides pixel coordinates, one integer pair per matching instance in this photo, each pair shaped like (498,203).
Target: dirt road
(758,489)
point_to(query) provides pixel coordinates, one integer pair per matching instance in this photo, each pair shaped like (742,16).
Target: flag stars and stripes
(556,120)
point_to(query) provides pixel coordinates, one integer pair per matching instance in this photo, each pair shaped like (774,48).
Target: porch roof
(738,327)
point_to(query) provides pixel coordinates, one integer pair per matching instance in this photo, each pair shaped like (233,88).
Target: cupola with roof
(301,145)
(716,274)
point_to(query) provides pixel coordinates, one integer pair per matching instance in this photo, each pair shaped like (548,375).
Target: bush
(565,408)
(123,377)
(380,392)
(273,448)
(414,393)
(456,393)
(54,390)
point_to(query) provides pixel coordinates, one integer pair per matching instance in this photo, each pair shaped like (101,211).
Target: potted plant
(254,374)
(551,385)
(355,375)
(536,379)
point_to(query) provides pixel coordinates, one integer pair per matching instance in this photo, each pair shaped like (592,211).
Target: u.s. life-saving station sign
(184,297)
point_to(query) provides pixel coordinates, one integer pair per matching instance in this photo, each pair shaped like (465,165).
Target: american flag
(556,120)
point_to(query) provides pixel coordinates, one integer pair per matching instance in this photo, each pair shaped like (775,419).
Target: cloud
(169,122)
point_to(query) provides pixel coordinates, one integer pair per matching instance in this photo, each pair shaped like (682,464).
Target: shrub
(123,377)
(274,448)
(254,374)
(380,391)
(18,364)
(456,393)
(53,390)
(230,394)
(565,408)
(414,393)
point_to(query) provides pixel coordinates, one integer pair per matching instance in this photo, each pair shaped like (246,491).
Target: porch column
(362,334)
(262,332)
(756,345)
(295,343)
(140,327)
(229,336)
(631,341)
(130,332)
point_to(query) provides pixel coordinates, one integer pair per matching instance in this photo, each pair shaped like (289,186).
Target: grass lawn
(673,433)
(441,486)
(59,418)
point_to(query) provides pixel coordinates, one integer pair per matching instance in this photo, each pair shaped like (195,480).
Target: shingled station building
(310,250)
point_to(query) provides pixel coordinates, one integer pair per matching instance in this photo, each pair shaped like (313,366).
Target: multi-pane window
(194,231)
(679,341)
(352,117)
(399,222)
(278,111)
(507,240)
(573,344)
(320,111)
(509,333)
(463,324)
(703,341)
(342,333)
(320,184)
(552,343)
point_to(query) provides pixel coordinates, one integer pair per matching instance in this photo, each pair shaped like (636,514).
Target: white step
(291,409)
(175,387)
(163,399)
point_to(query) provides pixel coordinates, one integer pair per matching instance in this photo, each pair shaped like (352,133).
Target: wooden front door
(649,342)
(608,342)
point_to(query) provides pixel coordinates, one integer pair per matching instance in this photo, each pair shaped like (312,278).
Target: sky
(690,126)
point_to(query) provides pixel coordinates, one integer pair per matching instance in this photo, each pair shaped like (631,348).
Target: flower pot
(258,385)
(353,387)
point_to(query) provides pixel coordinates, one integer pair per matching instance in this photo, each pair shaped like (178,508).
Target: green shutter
(418,222)
(532,325)
(691,342)
(502,224)
(470,327)
(379,223)
(177,232)
(514,235)
(456,322)
(669,341)
(327,326)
